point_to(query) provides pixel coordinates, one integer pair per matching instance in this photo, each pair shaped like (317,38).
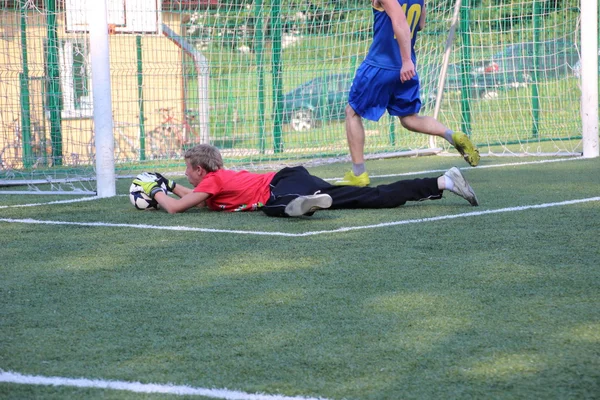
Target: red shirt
(236,190)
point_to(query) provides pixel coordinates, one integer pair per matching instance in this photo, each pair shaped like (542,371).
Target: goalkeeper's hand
(149,187)
(156,177)
(169,184)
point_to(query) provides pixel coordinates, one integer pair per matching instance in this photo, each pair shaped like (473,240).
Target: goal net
(267,83)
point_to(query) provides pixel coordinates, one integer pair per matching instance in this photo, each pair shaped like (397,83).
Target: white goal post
(101,89)
(589,78)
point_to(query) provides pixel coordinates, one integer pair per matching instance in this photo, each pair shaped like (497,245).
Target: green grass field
(430,300)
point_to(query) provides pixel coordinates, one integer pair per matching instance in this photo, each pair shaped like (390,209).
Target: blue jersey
(384,51)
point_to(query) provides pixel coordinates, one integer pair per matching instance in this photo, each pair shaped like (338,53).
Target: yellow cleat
(463,144)
(352,180)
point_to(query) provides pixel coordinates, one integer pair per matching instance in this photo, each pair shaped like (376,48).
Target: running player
(387,80)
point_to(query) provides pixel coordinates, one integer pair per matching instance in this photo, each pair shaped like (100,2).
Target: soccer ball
(141,200)
(138,198)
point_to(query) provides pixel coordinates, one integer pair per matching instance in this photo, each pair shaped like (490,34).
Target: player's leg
(384,196)
(398,193)
(431,126)
(424,124)
(406,104)
(368,98)
(355,133)
(427,125)
(454,181)
(294,192)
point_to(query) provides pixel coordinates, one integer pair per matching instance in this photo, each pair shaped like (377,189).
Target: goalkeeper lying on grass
(291,192)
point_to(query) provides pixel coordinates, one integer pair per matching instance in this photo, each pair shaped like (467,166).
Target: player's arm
(181,191)
(422,18)
(157,187)
(403,36)
(172,186)
(187,201)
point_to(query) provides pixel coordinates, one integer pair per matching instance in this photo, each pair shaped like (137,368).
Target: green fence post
(323,103)
(276,71)
(229,114)
(24,91)
(535,94)
(140,81)
(55,94)
(258,45)
(392,132)
(25,121)
(465,68)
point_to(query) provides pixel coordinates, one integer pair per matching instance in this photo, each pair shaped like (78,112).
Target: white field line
(437,171)
(137,387)
(433,171)
(51,202)
(310,233)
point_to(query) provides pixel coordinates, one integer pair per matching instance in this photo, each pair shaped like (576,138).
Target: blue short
(375,90)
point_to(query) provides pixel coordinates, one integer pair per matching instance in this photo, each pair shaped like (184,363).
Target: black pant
(292,182)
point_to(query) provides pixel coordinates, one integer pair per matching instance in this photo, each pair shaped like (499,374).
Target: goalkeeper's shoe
(151,188)
(307,205)
(352,180)
(461,186)
(466,148)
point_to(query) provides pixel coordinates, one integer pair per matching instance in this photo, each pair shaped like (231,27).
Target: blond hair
(205,156)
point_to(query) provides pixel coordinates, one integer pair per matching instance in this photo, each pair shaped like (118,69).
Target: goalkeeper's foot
(352,180)
(307,205)
(461,186)
(463,144)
